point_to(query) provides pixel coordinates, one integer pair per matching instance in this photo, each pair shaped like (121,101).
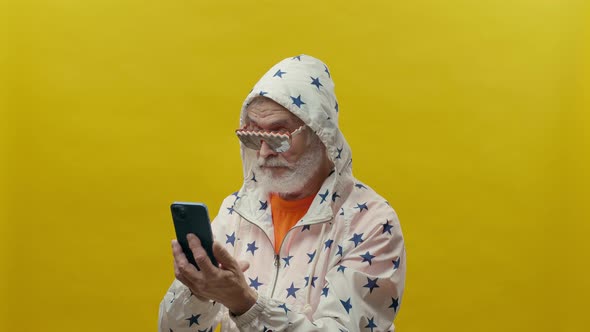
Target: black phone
(193,218)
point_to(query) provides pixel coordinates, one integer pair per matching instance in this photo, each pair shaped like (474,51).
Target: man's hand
(224,284)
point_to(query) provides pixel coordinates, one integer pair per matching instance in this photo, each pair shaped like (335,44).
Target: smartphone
(193,218)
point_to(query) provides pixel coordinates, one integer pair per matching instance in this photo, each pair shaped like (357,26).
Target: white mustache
(274,162)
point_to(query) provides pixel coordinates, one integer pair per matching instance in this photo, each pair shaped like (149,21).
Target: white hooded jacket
(340,268)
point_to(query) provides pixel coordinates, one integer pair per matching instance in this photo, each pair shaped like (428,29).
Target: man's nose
(265,150)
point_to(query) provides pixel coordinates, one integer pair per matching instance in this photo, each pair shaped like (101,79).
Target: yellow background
(471,117)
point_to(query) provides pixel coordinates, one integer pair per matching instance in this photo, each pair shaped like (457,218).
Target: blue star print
(287,259)
(394,304)
(297,101)
(387,227)
(361,207)
(339,156)
(371,284)
(342,211)
(396,263)
(237,196)
(341,268)
(325,291)
(284,306)
(327,71)
(371,324)
(262,93)
(231,238)
(360,186)
(254,283)
(263,205)
(339,250)
(306,228)
(291,291)
(253,177)
(323,196)
(334,196)
(367,257)
(279,73)
(298,57)
(316,82)
(357,238)
(193,320)
(328,243)
(336,107)
(230,210)
(346,304)
(311,256)
(312,281)
(252,247)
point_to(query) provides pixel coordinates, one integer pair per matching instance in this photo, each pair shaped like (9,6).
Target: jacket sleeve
(363,287)
(181,311)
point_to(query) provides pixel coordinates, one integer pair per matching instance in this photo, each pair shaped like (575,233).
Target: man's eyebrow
(279,123)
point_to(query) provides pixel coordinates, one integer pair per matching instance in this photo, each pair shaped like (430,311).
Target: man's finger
(177,252)
(200,254)
(224,257)
(181,263)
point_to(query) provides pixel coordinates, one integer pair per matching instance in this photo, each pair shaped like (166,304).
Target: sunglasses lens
(253,140)
(278,143)
(250,141)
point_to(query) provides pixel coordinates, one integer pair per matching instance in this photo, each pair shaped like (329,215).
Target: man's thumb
(244,265)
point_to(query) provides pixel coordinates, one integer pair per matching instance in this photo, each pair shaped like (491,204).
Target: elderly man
(303,245)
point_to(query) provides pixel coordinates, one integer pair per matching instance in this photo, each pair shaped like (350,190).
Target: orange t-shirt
(285,214)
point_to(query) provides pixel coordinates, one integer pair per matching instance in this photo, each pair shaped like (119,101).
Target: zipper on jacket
(278,255)
(277,262)
(278,268)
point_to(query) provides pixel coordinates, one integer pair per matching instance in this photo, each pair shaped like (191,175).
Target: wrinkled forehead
(267,111)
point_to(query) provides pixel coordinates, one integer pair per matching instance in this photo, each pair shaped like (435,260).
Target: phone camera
(179,210)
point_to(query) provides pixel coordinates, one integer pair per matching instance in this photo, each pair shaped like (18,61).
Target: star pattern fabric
(387,227)
(328,243)
(367,257)
(254,283)
(287,260)
(357,238)
(311,256)
(252,247)
(362,207)
(291,291)
(231,239)
(346,304)
(193,319)
(312,281)
(371,284)
(323,196)
(371,325)
(316,82)
(279,73)
(297,101)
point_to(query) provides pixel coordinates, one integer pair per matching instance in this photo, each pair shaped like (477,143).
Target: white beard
(297,174)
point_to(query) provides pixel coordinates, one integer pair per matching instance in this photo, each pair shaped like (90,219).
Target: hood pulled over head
(304,86)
